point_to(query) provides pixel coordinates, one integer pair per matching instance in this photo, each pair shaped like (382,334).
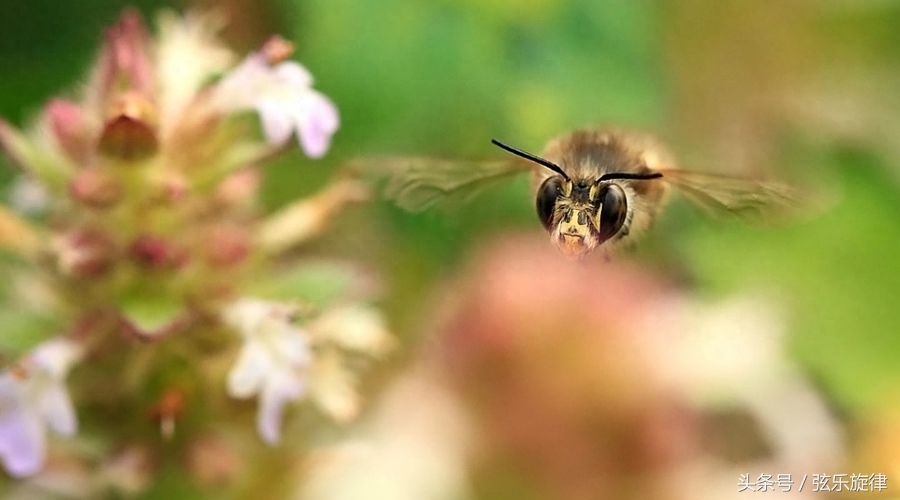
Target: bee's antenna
(537,159)
(621,175)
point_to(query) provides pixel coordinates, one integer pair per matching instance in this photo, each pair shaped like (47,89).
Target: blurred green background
(805,91)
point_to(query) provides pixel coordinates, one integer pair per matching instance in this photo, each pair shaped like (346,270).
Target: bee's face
(581,214)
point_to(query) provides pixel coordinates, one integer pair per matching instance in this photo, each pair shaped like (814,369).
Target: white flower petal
(333,388)
(22,442)
(56,356)
(29,196)
(56,409)
(283,97)
(356,327)
(293,73)
(246,315)
(247,375)
(276,123)
(316,124)
(292,346)
(188,53)
(281,388)
(31,399)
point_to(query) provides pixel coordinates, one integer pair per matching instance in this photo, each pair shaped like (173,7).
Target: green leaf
(315,283)
(33,158)
(150,312)
(22,331)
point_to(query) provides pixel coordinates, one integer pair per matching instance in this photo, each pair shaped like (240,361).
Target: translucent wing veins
(416,184)
(718,193)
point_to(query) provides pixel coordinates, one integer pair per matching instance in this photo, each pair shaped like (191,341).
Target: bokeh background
(804,91)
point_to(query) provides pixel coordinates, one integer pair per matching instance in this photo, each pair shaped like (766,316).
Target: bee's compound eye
(547,195)
(613,211)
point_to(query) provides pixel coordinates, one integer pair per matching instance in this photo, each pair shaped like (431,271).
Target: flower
(144,184)
(346,327)
(277,361)
(573,380)
(272,362)
(416,445)
(28,196)
(282,94)
(354,327)
(32,397)
(189,53)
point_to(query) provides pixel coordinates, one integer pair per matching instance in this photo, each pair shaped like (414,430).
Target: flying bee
(593,187)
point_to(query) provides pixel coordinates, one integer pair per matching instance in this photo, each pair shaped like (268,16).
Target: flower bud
(174,189)
(277,49)
(85,253)
(212,460)
(167,409)
(128,471)
(239,188)
(130,132)
(96,188)
(549,356)
(125,61)
(67,122)
(227,245)
(154,252)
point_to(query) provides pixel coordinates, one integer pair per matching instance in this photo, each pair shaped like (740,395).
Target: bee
(592,187)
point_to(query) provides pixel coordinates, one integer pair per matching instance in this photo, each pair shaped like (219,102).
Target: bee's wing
(417,184)
(720,193)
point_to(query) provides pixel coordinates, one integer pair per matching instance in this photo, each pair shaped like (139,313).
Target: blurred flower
(127,471)
(548,355)
(282,94)
(731,355)
(189,52)
(272,362)
(582,380)
(28,196)
(33,396)
(214,460)
(152,238)
(355,327)
(761,412)
(303,219)
(277,362)
(67,121)
(349,327)
(414,446)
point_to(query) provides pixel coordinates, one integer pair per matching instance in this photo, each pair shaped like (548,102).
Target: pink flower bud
(277,49)
(228,246)
(129,470)
(66,120)
(125,62)
(213,460)
(550,357)
(85,253)
(96,188)
(155,252)
(174,189)
(239,188)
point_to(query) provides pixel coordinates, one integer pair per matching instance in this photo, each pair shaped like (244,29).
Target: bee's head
(581,215)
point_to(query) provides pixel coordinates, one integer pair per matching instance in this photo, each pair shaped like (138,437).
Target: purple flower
(33,396)
(283,96)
